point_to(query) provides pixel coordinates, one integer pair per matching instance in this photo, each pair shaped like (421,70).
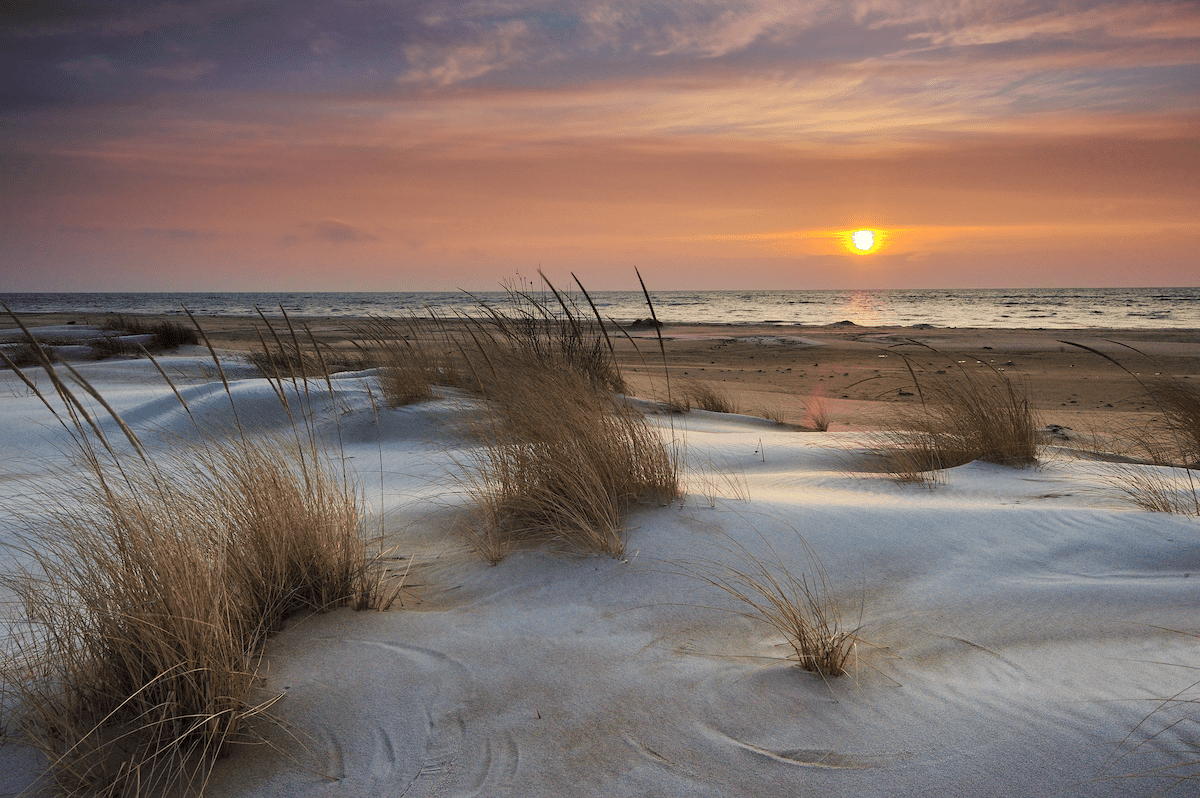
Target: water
(1153,308)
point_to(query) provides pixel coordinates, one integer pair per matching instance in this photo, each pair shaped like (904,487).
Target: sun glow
(863,241)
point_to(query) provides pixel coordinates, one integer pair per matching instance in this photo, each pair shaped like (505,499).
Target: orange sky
(433,146)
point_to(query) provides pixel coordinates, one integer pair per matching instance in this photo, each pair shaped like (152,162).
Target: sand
(1019,627)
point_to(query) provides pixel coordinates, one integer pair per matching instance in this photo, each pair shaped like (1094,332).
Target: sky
(408,145)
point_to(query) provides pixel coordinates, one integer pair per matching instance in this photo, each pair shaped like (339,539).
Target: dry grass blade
(1173,442)
(658,332)
(800,608)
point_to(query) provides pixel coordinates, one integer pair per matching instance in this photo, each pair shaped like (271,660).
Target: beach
(1018,631)
(856,370)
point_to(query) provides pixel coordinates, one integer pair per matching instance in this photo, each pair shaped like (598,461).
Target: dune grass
(409,363)
(801,608)
(563,458)
(1171,440)
(150,581)
(816,414)
(561,462)
(962,415)
(549,327)
(292,353)
(704,396)
(166,335)
(25,355)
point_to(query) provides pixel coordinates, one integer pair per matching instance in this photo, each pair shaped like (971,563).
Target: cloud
(91,68)
(340,232)
(182,71)
(503,45)
(177,234)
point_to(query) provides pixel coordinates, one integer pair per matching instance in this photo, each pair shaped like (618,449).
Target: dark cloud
(177,234)
(339,232)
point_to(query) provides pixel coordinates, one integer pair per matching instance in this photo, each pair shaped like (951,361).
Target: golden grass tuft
(561,462)
(1171,440)
(149,583)
(962,415)
(705,396)
(409,365)
(801,608)
(563,459)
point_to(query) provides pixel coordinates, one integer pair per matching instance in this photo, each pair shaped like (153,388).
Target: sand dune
(1018,627)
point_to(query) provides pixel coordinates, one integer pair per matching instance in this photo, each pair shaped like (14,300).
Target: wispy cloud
(89,68)
(339,232)
(182,70)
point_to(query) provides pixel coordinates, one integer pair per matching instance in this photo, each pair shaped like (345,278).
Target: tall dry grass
(549,327)
(563,458)
(151,580)
(562,461)
(409,362)
(1170,440)
(962,415)
(292,353)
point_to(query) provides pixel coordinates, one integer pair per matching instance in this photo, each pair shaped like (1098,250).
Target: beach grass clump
(563,458)
(149,582)
(170,335)
(409,362)
(25,355)
(816,414)
(1180,425)
(126,325)
(962,415)
(561,462)
(1170,441)
(704,396)
(801,607)
(109,346)
(166,335)
(550,328)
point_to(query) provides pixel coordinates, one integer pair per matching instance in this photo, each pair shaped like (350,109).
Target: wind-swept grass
(962,415)
(1171,441)
(800,606)
(289,353)
(409,362)
(151,580)
(561,462)
(563,459)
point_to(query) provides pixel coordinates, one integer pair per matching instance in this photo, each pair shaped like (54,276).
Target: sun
(864,241)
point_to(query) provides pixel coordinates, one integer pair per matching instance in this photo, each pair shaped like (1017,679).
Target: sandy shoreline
(855,370)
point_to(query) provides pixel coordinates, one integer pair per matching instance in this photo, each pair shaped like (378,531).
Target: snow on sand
(1015,627)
